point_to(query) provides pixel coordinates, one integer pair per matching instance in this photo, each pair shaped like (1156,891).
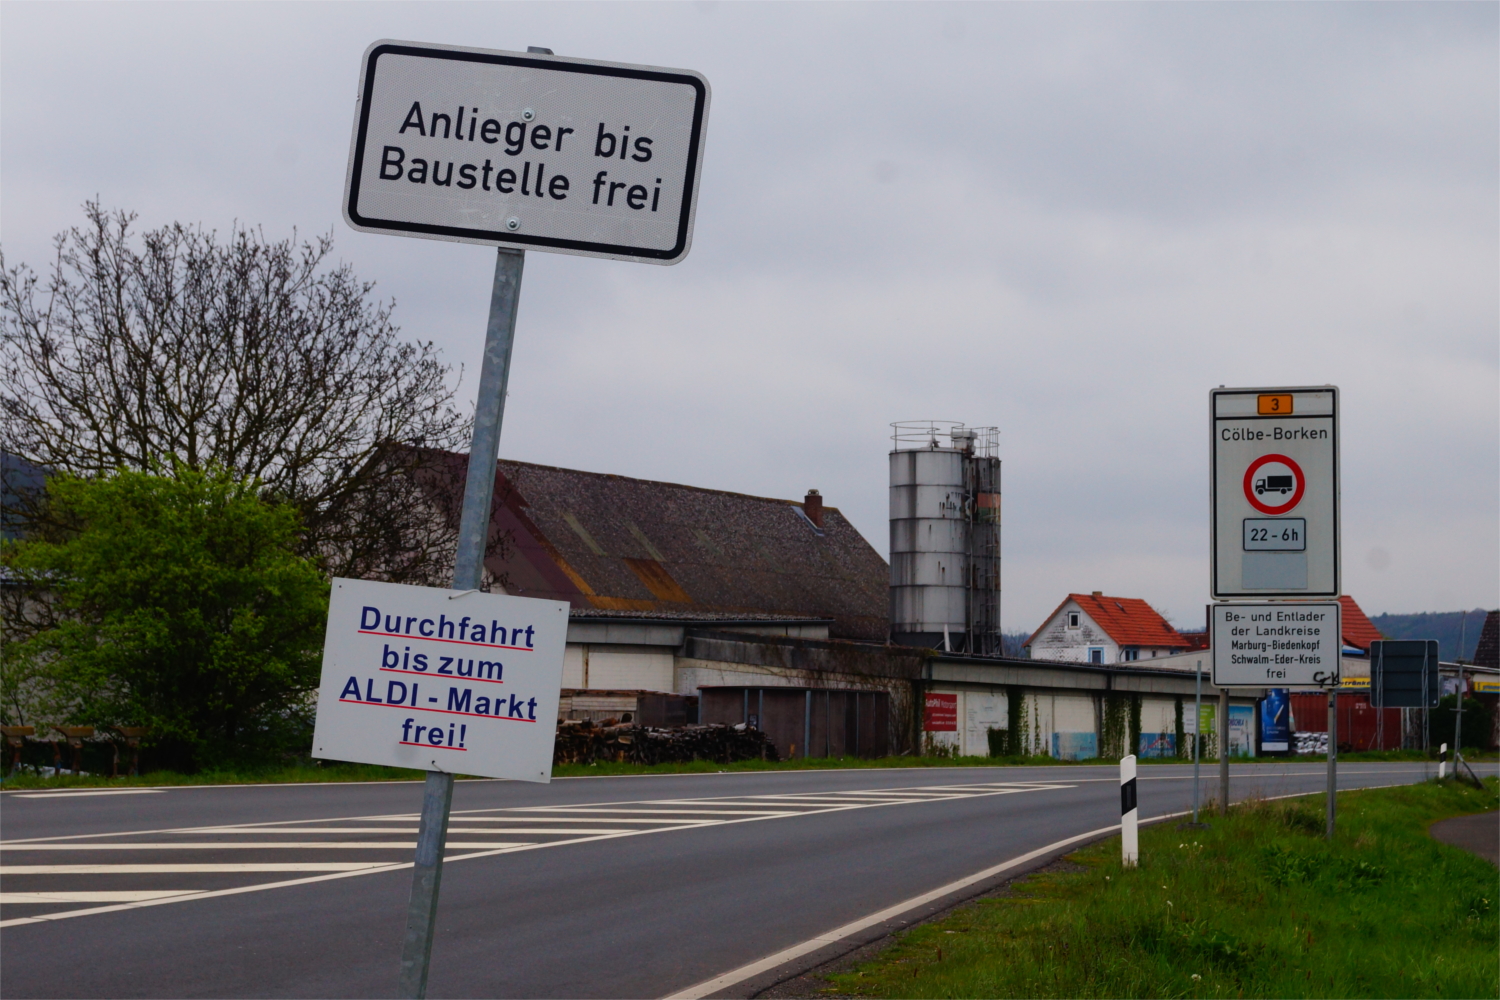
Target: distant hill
(1444,626)
(1014,644)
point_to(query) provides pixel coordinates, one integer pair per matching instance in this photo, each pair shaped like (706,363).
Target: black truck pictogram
(1275,484)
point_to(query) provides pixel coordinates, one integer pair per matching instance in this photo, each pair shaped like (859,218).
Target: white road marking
(76,795)
(554,818)
(744,972)
(388,829)
(661,824)
(611,810)
(285,866)
(122,896)
(232,845)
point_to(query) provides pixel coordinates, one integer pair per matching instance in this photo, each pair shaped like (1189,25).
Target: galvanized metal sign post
(1275,537)
(514,150)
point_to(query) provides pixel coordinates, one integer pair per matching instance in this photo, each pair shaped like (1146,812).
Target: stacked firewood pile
(585,742)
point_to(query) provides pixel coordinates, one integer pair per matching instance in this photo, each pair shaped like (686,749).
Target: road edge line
(708,987)
(744,972)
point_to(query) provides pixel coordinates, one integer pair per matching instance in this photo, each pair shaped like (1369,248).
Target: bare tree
(261,357)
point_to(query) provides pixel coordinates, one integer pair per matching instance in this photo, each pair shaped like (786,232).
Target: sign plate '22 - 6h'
(527,151)
(1275,483)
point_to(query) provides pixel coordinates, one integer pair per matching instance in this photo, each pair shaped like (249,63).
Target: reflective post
(468,572)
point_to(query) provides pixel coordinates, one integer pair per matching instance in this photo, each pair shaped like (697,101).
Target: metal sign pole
(1458,719)
(1223,751)
(1197,733)
(1333,753)
(468,571)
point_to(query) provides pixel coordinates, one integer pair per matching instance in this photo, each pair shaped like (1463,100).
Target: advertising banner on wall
(1276,722)
(940,713)
(1242,730)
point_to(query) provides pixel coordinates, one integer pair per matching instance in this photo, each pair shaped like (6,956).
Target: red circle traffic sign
(1274,485)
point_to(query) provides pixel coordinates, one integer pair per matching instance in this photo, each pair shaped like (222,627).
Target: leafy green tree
(177,346)
(1479,723)
(176,602)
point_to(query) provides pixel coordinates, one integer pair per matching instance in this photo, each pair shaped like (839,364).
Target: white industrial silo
(945,536)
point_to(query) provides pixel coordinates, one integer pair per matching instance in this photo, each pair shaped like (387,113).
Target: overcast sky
(1067,220)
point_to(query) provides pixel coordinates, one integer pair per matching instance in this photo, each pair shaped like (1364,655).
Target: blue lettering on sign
(465,629)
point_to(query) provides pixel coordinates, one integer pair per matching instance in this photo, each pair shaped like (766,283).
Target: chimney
(1098,593)
(812,506)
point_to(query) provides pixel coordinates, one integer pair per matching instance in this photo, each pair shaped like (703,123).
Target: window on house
(1132,654)
(1096,654)
(1072,619)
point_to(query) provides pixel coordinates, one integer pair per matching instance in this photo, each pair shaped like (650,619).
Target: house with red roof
(1094,628)
(1358,630)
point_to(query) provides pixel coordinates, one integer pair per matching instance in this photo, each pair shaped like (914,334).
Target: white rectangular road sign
(441,680)
(1275,488)
(527,151)
(1280,644)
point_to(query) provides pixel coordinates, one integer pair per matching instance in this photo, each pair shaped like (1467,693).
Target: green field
(1259,905)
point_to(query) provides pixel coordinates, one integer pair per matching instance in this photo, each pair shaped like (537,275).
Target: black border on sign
(1222,606)
(1213,494)
(689,192)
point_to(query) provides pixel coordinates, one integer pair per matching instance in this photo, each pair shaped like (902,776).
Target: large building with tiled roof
(618,547)
(1094,628)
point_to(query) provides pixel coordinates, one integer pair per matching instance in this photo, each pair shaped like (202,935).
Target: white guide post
(1443,762)
(1130,845)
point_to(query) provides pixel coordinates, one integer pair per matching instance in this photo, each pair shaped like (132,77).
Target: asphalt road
(603,887)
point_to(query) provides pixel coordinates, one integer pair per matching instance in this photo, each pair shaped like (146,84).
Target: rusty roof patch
(611,544)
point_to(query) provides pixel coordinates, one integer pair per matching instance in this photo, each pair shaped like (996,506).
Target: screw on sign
(1274,484)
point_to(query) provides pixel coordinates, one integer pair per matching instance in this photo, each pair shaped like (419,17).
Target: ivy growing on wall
(1135,724)
(1181,730)
(1113,725)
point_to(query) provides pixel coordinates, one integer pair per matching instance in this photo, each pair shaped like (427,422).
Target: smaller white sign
(441,680)
(1281,644)
(526,150)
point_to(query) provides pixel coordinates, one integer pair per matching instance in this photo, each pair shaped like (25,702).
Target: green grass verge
(315,772)
(1259,905)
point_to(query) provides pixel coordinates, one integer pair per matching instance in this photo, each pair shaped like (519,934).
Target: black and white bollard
(1130,845)
(1442,761)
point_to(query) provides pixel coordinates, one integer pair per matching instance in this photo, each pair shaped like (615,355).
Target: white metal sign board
(1281,644)
(526,150)
(441,680)
(1275,487)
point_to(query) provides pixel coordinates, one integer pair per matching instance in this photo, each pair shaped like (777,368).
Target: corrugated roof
(613,543)
(1129,621)
(1359,631)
